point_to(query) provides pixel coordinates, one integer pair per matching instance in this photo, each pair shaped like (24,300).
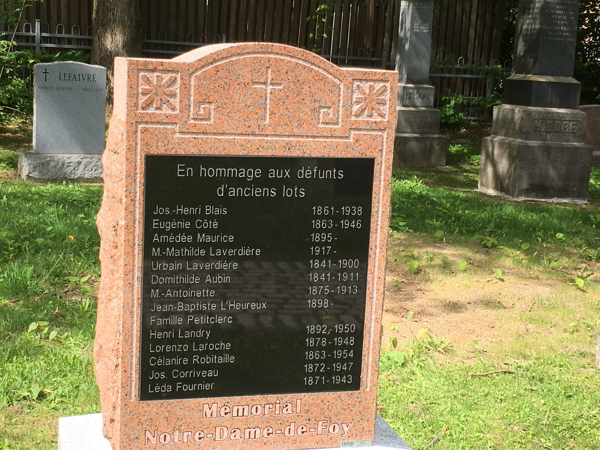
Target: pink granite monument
(244,228)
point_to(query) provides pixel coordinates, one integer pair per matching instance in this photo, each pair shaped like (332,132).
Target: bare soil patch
(463,306)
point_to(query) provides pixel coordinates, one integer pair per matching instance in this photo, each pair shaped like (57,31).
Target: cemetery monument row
(244,229)
(68,123)
(537,148)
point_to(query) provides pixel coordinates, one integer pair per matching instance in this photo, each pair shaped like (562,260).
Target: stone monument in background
(537,150)
(418,142)
(68,123)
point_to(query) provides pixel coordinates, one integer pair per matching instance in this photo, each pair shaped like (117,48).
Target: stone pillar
(418,142)
(537,150)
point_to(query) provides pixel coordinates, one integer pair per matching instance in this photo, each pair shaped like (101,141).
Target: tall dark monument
(537,150)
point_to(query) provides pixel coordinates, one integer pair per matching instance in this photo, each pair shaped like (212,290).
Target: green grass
(425,389)
(554,400)
(421,208)
(444,202)
(48,272)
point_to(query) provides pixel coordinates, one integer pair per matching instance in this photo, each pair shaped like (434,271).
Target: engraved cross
(45,72)
(267,86)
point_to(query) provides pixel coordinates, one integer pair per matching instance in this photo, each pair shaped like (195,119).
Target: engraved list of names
(255,275)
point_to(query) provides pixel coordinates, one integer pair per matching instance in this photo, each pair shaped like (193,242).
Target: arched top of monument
(203,51)
(214,53)
(255,89)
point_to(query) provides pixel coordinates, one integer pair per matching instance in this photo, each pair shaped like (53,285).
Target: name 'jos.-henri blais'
(222,433)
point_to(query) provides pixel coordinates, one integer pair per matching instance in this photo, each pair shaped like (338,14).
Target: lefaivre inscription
(255,275)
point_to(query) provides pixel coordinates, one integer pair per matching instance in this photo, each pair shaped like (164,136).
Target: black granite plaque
(255,275)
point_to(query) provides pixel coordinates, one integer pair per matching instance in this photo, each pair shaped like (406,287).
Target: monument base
(419,150)
(418,142)
(536,170)
(542,91)
(51,167)
(417,120)
(85,432)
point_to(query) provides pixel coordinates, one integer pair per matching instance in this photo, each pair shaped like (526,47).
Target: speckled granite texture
(208,101)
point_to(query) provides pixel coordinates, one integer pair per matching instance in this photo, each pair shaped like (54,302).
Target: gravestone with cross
(68,123)
(243,227)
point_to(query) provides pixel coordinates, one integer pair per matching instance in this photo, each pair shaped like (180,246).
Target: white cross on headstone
(267,86)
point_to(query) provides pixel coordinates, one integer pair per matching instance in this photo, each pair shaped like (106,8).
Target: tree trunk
(117,31)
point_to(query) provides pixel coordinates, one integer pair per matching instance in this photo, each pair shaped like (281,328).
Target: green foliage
(588,34)
(421,347)
(450,114)
(11,11)
(453,107)
(48,272)
(47,233)
(9,160)
(322,14)
(463,152)
(16,97)
(594,191)
(588,74)
(582,277)
(485,103)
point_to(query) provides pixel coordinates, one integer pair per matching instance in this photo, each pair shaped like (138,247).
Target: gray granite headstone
(414,41)
(68,108)
(418,142)
(68,123)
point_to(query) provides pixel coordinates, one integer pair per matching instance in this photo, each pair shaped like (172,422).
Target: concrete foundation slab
(418,120)
(414,150)
(536,170)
